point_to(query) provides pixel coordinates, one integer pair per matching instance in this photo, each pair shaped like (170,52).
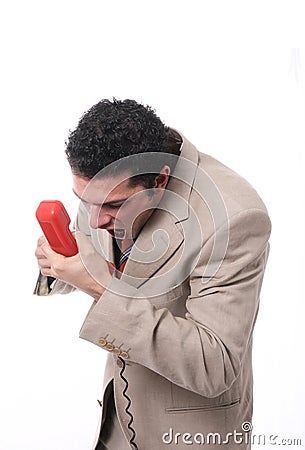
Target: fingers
(41,240)
(43,263)
(47,272)
(47,251)
(38,252)
(42,252)
(50,263)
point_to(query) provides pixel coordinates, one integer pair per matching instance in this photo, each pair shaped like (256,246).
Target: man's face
(116,206)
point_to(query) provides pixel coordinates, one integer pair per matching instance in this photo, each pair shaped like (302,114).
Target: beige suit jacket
(183,313)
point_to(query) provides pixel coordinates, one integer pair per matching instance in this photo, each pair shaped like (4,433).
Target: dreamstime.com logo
(245,436)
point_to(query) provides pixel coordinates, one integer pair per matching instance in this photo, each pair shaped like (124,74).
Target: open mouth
(118,233)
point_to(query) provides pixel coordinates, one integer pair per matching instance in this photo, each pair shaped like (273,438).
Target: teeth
(120,234)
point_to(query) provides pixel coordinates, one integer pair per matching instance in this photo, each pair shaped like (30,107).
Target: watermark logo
(244,435)
(177,222)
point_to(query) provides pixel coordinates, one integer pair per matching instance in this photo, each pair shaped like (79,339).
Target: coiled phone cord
(128,406)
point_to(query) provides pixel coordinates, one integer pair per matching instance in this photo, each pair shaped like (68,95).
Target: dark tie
(125,252)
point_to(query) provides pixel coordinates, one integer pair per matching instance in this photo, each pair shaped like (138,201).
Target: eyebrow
(120,200)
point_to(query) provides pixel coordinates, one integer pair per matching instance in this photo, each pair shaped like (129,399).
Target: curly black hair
(114,129)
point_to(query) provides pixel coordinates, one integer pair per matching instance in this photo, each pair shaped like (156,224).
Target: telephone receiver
(54,221)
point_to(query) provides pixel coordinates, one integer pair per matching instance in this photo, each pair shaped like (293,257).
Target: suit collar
(182,180)
(157,242)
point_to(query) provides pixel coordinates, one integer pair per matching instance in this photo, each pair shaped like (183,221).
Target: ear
(161,180)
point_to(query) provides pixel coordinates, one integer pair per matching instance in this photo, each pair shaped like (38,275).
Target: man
(172,247)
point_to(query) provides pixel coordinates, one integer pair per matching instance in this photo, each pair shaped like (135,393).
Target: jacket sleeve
(45,287)
(204,350)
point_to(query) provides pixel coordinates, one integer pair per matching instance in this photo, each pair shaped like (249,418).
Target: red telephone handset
(54,221)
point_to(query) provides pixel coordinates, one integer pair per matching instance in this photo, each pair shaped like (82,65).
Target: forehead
(103,189)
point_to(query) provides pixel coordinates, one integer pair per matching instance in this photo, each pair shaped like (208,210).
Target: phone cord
(128,406)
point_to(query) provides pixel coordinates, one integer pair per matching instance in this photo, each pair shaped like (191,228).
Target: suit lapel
(102,242)
(157,242)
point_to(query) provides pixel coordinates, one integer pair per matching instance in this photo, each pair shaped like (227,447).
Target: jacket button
(102,342)
(119,363)
(124,355)
(116,351)
(110,346)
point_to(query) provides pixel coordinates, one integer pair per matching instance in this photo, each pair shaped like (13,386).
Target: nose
(98,218)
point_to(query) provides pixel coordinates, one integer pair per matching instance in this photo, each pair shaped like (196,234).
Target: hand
(87,270)
(41,258)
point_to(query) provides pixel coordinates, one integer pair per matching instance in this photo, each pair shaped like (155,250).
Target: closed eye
(114,205)
(104,205)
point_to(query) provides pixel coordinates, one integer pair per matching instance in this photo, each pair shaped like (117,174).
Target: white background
(230,76)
